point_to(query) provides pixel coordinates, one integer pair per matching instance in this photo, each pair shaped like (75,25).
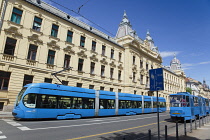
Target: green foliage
(189,90)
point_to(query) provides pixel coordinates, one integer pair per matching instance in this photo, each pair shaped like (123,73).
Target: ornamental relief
(112,64)
(82,54)
(35,39)
(13,31)
(53,45)
(103,61)
(134,68)
(93,58)
(69,50)
(120,67)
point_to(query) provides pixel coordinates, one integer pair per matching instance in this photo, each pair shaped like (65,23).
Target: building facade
(36,40)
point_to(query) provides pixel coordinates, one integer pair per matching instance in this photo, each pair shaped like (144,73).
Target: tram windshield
(179,101)
(20,95)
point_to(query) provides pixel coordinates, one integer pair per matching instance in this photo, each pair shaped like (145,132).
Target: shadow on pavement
(142,136)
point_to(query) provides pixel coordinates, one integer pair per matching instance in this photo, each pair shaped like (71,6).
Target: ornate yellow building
(36,40)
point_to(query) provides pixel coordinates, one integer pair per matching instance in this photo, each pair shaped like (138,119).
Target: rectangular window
(16,15)
(66,61)
(102,70)
(119,90)
(141,79)
(47,80)
(82,41)
(92,68)
(54,31)
(93,46)
(111,72)
(91,86)
(112,53)
(80,64)
(69,36)
(32,52)
(46,101)
(101,88)
(141,63)
(37,23)
(65,82)
(147,66)
(134,60)
(51,57)
(4,80)
(106,104)
(27,79)
(134,91)
(10,46)
(103,50)
(119,75)
(79,84)
(134,77)
(111,89)
(120,56)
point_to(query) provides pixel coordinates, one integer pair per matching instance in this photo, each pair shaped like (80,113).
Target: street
(103,128)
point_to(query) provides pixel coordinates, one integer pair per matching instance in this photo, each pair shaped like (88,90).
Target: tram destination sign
(156,79)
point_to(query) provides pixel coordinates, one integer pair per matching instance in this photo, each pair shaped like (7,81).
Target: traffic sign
(156,79)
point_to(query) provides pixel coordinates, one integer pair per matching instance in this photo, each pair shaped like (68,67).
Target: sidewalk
(202,133)
(6,115)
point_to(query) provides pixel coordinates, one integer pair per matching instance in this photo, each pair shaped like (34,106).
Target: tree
(189,90)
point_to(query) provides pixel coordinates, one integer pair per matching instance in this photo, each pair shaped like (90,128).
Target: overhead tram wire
(83,17)
(82,5)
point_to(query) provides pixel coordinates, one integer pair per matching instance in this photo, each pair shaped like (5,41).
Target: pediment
(69,50)
(53,45)
(35,38)
(13,31)
(82,54)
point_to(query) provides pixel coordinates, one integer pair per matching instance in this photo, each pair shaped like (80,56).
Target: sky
(180,27)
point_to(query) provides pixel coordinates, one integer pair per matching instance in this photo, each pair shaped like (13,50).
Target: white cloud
(207,62)
(168,54)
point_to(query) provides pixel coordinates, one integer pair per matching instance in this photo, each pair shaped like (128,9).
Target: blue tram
(45,100)
(184,106)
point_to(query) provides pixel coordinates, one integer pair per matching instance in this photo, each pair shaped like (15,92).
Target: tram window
(107,104)
(88,103)
(147,104)
(20,95)
(139,104)
(46,101)
(162,104)
(64,102)
(154,104)
(195,99)
(77,103)
(30,100)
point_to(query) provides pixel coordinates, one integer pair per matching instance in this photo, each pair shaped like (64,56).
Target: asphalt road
(104,128)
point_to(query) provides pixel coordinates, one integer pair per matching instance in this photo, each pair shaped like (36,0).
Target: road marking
(114,131)
(14,123)
(24,128)
(3,137)
(106,122)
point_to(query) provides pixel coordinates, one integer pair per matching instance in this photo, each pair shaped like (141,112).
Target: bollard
(199,121)
(190,125)
(195,124)
(185,130)
(149,132)
(166,135)
(177,131)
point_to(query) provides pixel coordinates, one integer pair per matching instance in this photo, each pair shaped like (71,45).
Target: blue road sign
(156,79)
